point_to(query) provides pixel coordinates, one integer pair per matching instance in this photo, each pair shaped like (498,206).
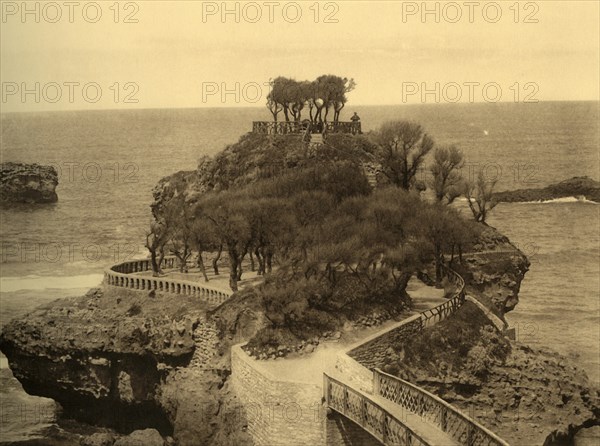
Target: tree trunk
(261,262)
(269,258)
(233,269)
(252,265)
(438,267)
(215,262)
(319,114)
(182,261)
(201,266)
(239,269)
(153,261)
(160,261)
(402,282)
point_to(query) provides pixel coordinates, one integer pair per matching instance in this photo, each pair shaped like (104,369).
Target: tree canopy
(327,243)
(324,96)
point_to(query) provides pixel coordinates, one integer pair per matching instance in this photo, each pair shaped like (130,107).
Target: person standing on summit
(355,123)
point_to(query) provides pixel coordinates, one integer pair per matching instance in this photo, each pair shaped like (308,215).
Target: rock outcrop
(493,271)
(27,183)
(577,187)
(125,360)
(525,395)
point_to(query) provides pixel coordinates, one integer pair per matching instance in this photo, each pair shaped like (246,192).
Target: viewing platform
(299,127)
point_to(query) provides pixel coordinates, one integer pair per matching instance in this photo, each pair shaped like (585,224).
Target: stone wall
(371,353)
(498,323)
(353,371)
(206,342)
(279,412)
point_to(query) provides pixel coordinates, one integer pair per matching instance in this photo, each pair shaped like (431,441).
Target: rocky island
(144,352)
(576,187)
(27,183)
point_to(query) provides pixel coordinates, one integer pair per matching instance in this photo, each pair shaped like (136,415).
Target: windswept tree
(156,240)
(446,180)
(340,99)
(331,91)
(436,223)
(299,93)
(274,107)
(324,95)
(403,146)
(281,93)
(180,221)
(462,236)
(203,239)
(480,196)
(231,228)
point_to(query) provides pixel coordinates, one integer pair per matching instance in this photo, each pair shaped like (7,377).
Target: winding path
(392,410)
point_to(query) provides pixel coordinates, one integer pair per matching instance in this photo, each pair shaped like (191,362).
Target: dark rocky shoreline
(577,187)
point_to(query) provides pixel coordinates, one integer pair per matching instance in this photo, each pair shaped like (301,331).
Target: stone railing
(440,312)
(351,127)
(371,351)
(285,127)
(434,410)
(121,275)
(277,127)
(364,359)
(372,417)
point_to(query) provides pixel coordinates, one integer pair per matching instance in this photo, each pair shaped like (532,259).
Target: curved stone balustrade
(121,275)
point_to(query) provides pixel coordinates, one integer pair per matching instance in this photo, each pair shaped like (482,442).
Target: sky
(159,54)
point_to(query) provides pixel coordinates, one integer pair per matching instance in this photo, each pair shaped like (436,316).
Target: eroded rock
(27,183)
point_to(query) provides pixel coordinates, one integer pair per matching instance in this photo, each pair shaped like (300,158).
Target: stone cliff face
(129,360)
(493,271)
(531,396)
(125,360)
(27,183)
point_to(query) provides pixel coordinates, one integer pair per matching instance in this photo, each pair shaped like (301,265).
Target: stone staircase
(371,178)
(316,138)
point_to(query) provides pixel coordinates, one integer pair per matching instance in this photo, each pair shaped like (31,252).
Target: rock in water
(27,183)
(576,187)
(99,439)
(146,437)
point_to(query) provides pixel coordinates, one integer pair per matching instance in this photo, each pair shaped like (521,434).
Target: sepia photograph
(300,223)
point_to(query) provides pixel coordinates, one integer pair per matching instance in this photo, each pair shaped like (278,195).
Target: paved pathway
(309,368)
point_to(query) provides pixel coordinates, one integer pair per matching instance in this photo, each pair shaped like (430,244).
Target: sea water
(109,161)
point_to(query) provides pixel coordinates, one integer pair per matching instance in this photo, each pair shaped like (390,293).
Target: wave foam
(31,282)
(560,200)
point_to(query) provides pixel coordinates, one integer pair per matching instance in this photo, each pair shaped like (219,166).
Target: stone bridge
(393,410)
